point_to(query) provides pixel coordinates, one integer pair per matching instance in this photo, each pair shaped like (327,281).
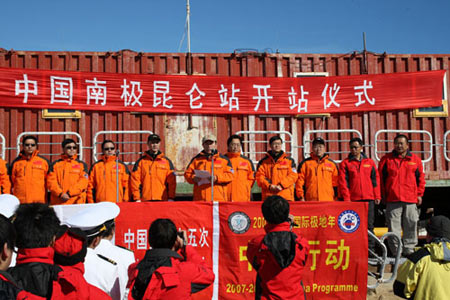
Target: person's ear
(52,243)
(5,252)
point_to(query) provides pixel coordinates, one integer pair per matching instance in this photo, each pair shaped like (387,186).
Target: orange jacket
(29,177)
(102,181)
(5,184)
(153,178)
(68,175)
(280,170)
(240,189)
(222,170)
(317,179)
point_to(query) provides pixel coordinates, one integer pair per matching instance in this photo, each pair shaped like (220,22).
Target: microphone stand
(213,152)
(117,176)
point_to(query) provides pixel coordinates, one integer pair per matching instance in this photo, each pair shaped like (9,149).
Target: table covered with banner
(337,233)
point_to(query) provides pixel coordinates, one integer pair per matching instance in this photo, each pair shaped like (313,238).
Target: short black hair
(36,225)
(107,141)
(162,234)
(67,142)
(356,139)
(399,136)
(232,137)
(275,138)
(275,209)
(7,233)
(110,226)
(29,137)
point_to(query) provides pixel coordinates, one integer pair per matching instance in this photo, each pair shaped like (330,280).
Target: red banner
(337,234)
(27,88)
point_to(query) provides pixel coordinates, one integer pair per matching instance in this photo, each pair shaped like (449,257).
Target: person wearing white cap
(198,172)
(8,205)
(122,256)
(100,271)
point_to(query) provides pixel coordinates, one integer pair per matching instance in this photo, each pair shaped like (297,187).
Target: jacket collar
(68,158)
(24,156)
(42,255)
(233,154)
(352,157)
(319,159)
(108,159)
(208,156)
(396,154)
(152,156)
(276,157)
(162,252)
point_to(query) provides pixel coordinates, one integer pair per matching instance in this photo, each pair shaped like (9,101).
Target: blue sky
(319,26)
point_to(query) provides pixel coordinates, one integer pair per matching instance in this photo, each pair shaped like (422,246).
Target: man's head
(234,143)
(154,143)
(209,143)
(401,144)
(69,147)
(276,144)
(7,242)
(438,227)
(275,209)
(29,144)
(108,148)
(319,146)
(356,146)
(162,234)
(36,225)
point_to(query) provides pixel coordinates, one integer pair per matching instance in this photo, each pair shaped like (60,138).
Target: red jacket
(10,290)
(173,277)
(280,170)
(359,179)
(279,272)
(402,179)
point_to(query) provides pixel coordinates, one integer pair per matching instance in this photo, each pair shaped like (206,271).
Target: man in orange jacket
(153,176)
(317,175)
(68,178)
(276,173)
(5,184)
(198,172)
(29,173)
(240,189)
(102,184)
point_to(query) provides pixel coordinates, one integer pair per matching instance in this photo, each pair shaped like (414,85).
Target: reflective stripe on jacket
(359,179)
(426,273)
(29,178)
(280,170)
(240,188)
(153,178)
(68,175)
(102,181)
(5,184)
(222,170)
(402,179)
(317,179)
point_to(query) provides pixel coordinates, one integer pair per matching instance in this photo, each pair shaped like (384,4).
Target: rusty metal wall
(183,133)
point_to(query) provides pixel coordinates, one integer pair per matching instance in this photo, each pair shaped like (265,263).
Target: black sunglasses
(30,145)
(108,149)
(71,147)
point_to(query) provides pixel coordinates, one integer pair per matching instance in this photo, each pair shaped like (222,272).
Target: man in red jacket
(402,187)
(165,274)
(9,289)
(359,181)
(279,256)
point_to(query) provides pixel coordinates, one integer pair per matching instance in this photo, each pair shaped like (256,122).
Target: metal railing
(446,142)
(3,146)
(50,144)
(307,140)
(428,141)
(131,143)
(251,150)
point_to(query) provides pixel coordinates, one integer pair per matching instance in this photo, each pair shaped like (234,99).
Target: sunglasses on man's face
(71,147)
(108,149)
(30,145)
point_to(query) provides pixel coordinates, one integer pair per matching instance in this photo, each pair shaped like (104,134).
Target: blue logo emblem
(348,221)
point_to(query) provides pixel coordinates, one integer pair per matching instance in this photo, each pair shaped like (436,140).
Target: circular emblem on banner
(348,221)
(239,222)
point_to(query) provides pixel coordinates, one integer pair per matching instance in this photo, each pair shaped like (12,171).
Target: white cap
(92,218)
(8,204)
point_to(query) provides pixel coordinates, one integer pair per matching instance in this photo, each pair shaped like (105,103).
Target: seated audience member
(279,256)
(70,251)
(165,274)
(426,272)
(9,289)
(36,226)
